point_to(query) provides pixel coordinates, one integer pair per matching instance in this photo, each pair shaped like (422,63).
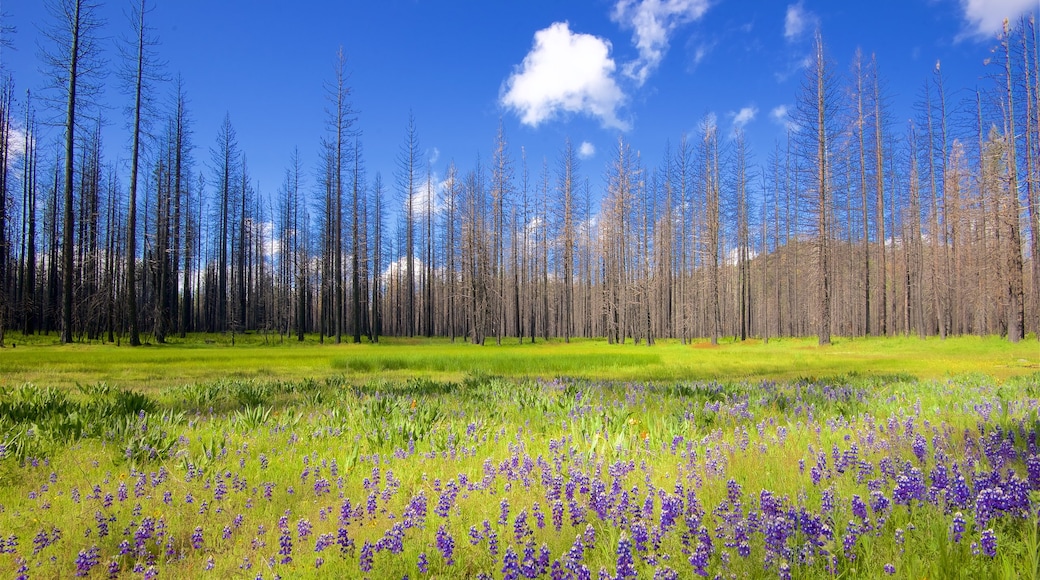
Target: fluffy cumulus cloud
(744,116)
(986,17)
(652,23)
(798,21)
(565,72)
(586,150)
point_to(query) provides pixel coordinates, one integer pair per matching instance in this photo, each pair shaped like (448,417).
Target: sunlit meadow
(486,477)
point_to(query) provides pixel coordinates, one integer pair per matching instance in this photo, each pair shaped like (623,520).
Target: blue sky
(649,70)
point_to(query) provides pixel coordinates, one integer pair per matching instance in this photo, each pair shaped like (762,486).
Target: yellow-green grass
(201,358)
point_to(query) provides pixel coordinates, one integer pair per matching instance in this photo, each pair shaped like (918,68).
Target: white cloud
(702,51)
(426,195)
(798,21)
(780,115)
(16,145)
(586,150)
(744,116)
(652,23)
(565,72)
(433,155)
(986,17)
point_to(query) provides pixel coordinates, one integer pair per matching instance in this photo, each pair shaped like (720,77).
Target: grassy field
(904,458)
(203,358)
(501,478)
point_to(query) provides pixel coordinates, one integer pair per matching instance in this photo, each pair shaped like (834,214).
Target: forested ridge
(855,223)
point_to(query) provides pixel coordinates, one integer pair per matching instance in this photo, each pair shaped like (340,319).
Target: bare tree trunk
(1016,313)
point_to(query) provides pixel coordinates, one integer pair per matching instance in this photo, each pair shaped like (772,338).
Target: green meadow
(202,358)
(419,458)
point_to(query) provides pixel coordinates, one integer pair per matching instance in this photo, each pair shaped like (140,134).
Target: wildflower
(988,541)
(324,541)
(196,538)
(303,528)
(510,565)
(285,546)
(86,560)
(503,517)
(367,553)
(625,567)
(889,568)
(446,545)
(520,528)
(639,536)
(423,564)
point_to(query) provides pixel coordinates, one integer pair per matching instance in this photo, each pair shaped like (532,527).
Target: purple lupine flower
(625,567)
(345,542)
(144,531)
(220,492)
(367,554)
(303,528)
(285,545)
(1033,470)
(827,500)
(988,541)
(539,515)
(909,486)
(639,536)
(196,538)
(423,564)
(589,537)
(529,564)
(576,553)
(520,528)
(86,560)
(113,569)
(322,486)
(557,514)
(40,541)
(920,447)
(889,568)
(849,541)
(702,554)
(324,542)
(446,545)
(503,517)
(859,508)
(878,502)
(665,573)
(475,536)
(447,499)
(510,565)
(393,539)
(492,538)
(957,527)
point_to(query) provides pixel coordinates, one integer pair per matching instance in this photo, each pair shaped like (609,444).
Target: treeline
(856,224)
